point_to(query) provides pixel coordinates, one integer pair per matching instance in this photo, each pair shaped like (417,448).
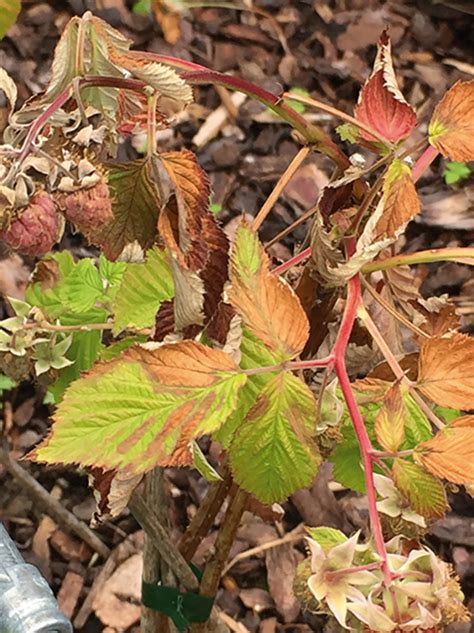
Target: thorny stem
(279,187)
(423,162)
(339,114)
(296,259)
(459,255)
(339,350)
(41,121)
(310,132)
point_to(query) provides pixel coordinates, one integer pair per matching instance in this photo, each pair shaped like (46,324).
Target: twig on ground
(295,535)
(51,506)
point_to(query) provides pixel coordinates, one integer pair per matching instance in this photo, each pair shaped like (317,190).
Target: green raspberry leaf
(273,454)
(84,287)
(424,492)
(143,409)
(143,288)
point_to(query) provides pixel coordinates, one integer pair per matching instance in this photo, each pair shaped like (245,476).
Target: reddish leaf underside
(381,104)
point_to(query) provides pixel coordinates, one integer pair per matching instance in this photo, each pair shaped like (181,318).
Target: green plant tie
(183,607)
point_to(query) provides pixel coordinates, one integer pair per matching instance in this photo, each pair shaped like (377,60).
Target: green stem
(459,255)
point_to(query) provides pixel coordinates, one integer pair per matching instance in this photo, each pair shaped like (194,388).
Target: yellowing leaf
(425,493)
(144,286)
(451,129)
(135,204)
(9,10)
(446,371)
(390,420)
(266,304)
(400,201)
(142,409)
(272,454)
(450,453)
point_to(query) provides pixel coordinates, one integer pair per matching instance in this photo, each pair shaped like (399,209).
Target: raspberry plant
(173,333)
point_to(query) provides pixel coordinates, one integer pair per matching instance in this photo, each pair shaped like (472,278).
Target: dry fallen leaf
(118,603)
(281,565)
(69,593)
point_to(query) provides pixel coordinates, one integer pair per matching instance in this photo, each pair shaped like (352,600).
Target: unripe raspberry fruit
(89,209)
(36,229)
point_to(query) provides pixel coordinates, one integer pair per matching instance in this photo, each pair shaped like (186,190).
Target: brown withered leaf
(135,203)
(400,201)
(381,104)
(264,301)
(446,371)
(439,315)
(197,245)
(390,420)
(451,129)
(112,492)
(450,453)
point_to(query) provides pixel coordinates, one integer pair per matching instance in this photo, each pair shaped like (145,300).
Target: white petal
(390,507)
(337,602)
(384,486)
(341,556)
(317,554)
(361,578)
(372,615)
(418,590)
(318,586)
(414,517)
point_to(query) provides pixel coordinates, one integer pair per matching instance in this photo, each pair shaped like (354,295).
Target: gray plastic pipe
(27,604)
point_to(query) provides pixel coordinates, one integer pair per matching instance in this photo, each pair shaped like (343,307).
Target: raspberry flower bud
(36,228)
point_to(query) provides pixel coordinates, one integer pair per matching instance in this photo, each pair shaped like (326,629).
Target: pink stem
(424,161)
(352,570)
(282,268)
(366,448)
(41,121)
(309,364)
